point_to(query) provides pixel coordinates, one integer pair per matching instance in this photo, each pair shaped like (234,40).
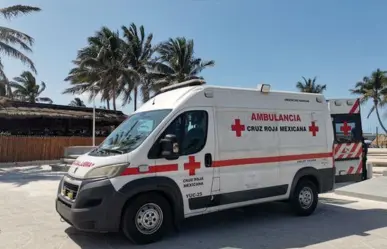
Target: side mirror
(169,147)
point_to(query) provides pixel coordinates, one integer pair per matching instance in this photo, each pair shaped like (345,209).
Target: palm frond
(12,36)
(44,99)
(17,10)
(12,52)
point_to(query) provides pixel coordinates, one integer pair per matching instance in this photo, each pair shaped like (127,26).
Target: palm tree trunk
(114,93)
(135,98)
(114,100)
(9,89)
(108,104)
(32,99)
(380,121)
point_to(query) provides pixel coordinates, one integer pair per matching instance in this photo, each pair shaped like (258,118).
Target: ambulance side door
(348,149)
(192,170)
(247,152)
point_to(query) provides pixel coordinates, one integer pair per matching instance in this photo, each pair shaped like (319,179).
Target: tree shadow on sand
(19,176)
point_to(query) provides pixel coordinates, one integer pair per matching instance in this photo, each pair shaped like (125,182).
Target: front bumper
(96,207)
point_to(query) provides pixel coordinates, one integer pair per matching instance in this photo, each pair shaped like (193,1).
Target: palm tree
(373,88)
(101,67)
(26,88)
(177,63)
(310,86)
(11,37)
(138,54)
(77,102)
(85,79)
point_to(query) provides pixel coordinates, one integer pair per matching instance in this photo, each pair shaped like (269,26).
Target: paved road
(28,220)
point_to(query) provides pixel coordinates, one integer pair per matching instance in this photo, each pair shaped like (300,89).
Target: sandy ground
(28,220)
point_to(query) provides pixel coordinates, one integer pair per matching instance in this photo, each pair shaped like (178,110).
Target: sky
(252,41)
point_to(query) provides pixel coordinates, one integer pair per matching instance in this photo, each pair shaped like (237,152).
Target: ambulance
(195,149)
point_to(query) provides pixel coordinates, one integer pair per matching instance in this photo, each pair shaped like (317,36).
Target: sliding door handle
(208,160)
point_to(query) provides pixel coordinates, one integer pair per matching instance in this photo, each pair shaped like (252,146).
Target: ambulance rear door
(347,149)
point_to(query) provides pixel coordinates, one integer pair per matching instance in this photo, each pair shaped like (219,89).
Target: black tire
(304,191)
(132,218)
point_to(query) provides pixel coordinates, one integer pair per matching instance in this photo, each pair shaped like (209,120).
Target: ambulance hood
(85,163)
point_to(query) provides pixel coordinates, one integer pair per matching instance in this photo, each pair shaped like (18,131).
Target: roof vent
(194,82)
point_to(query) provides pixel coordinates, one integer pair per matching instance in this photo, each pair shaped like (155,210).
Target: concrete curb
(361,196)
(28,163)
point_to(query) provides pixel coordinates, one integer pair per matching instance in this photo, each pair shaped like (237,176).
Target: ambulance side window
(347,128)
(190,129)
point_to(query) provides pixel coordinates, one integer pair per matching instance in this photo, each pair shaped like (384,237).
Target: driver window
(190,129)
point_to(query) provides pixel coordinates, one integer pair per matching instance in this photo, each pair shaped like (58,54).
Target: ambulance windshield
(131,133)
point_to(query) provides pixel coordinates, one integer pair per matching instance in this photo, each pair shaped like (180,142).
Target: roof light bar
(194,82)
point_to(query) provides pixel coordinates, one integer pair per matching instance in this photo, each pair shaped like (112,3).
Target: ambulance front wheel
(147,218)
(305,198)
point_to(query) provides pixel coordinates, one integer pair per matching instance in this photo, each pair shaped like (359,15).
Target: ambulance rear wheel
(305,198)
(146,219)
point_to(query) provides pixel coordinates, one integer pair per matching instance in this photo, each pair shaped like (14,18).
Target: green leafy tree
(138,54)
(373,88)
(310,86)
(176,62)
(77,102)
(101,67)
(26,89)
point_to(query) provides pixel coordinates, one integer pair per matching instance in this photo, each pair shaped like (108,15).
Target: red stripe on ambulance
(359,167)
(230,162)
(350,170)
(355,108)
(347,150)
(274,159)
(152,169)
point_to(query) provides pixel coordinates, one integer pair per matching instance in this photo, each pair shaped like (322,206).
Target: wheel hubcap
(306,197)
(149,218)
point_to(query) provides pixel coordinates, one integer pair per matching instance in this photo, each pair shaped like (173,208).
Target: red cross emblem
(238,127)
(313,128)
(345,128)
(191,165)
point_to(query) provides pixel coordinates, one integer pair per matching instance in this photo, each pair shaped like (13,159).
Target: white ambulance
(195,149)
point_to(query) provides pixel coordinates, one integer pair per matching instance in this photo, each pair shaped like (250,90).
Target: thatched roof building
(17,115)
(18,109)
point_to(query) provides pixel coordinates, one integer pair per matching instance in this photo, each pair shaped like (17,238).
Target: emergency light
(265,88)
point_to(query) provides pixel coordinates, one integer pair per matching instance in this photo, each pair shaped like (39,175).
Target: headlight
(107,171)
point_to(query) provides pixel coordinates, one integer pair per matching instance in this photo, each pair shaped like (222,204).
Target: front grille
(69,190)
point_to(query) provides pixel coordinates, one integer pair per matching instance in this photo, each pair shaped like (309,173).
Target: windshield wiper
(112,151)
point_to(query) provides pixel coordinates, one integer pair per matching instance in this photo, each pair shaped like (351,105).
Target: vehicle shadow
(22,176)
(269,225)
